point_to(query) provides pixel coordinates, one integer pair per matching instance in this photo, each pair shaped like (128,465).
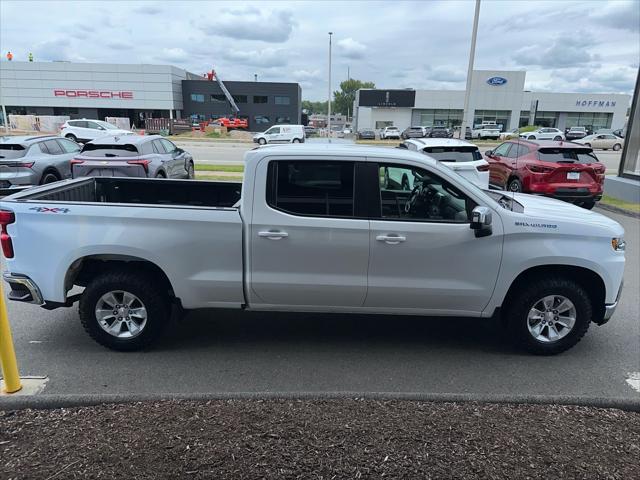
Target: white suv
(545,133)
(389,132)
(462,157)
(86,130)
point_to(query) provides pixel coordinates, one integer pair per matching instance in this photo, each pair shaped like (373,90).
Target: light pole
(329,89)
(472,54)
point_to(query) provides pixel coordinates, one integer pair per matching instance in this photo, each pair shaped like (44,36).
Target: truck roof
(306,151)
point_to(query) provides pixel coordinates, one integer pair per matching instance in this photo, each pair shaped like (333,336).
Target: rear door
(424,258)
(309,240)
(70,150)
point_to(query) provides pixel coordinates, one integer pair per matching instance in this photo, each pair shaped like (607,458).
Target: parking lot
(228,351)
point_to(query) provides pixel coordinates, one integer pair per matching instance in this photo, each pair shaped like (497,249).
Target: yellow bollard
(7,352)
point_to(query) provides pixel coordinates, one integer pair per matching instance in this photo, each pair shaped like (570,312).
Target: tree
(314,107)
(344,98)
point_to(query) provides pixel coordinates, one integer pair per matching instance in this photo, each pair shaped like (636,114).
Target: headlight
(618,244)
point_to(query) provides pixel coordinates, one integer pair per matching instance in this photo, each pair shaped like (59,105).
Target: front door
(307,246)
(424,256)
(175,159)
(273,135)
(500,165)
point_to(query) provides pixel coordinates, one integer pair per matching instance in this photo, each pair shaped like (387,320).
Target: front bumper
(23,289)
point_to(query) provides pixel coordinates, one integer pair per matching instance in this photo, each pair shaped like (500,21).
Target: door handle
(273,235)
(391,239)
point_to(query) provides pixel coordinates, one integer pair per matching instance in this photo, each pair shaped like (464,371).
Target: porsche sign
(121,95)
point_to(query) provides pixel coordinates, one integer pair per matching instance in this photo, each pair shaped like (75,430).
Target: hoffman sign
(93,94)
(595,103)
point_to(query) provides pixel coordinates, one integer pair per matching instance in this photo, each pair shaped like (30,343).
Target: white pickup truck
(313,228)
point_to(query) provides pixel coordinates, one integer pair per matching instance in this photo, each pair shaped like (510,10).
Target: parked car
(513,133)
(281,134)
(438,131)
(563,170)
(86,130)
(486,130)
(366,134)
(149,156)
(320,230)
(34,160)
(545,133)
(309,131)
(389,132)
(575,133)
(461,156)
(414,132)
(607,141)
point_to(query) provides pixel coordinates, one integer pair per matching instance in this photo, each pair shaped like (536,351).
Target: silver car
(150,156)
(34,160)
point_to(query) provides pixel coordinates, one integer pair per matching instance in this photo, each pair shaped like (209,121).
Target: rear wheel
(557,138)
(617,147)
(549,316)
(49,177)
(514,185)
(531,137)
(161,175)
(589,204)
(123,310)
(71,137)
(296,140)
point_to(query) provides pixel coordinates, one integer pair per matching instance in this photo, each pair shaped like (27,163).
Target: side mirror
(489,153)
(481,221)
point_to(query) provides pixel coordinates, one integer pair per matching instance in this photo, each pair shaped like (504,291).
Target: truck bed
(138,191)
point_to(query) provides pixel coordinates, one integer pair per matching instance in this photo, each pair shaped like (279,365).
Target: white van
(281,134)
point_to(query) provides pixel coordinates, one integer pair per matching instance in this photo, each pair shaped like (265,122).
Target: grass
(227,178)
(632,207)
(219,168)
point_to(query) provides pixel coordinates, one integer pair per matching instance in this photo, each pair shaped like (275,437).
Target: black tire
(262,141)
(191,172)
(531,137)
(71,137)
(514,185)
(49,177)
(588,204)
(588,145)
(142,286)
(521,303)
(296,140)
(617,147)
(161,175)
(557,138)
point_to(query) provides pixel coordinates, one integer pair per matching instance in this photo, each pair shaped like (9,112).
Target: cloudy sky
(583,46)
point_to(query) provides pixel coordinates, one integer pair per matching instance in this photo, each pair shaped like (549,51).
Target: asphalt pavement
(231,351)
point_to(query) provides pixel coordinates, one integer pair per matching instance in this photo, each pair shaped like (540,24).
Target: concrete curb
(614,209)
(45,402)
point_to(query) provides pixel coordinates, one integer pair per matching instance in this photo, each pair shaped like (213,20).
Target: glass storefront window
(441,117)
(547,119)
(501,117)
(524,118)
(589,120)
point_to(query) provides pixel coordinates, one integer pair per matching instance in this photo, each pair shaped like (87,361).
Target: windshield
(11,151)
(567,155)
(93,150)
(454,154)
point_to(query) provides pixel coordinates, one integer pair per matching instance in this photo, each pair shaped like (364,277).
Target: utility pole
(472,54)
(5,119)
(255,77)
(329,99)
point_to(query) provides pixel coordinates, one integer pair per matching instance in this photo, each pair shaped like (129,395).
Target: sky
(582,46)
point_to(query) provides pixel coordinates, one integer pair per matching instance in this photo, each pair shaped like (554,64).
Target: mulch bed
(320,439)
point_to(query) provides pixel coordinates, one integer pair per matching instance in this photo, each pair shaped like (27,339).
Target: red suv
(564,170)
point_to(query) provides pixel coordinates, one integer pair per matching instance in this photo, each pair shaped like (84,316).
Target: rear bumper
(23,289)
(570,194)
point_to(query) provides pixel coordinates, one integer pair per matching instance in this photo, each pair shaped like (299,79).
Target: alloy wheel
(551,318)
(121,314)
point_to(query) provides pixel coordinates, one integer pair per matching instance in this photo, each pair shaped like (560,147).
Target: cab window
(272,130)
(413,194)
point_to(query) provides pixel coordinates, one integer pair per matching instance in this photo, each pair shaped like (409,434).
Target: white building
(495,95)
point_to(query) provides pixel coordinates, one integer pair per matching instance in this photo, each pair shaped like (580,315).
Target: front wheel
(191,174)
(123,310)
(617,147)
(558,138)
(531,137)
(296,140)
(549,316)
(49,177)
(262,141)
(71,137)
(515,185)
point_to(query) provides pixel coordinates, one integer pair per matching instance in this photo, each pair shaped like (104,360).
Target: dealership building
(496,95)
(138,91)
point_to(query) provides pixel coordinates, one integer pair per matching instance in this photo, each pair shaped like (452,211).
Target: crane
(233,122)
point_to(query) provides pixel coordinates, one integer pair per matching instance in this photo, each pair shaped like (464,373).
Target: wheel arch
(590,280)
(51,169)
(82,270)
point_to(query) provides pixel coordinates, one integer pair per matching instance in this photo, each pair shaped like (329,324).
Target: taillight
(6,218)
(599,168)
(539,168)
(76,161)
(144,162)
(483,168)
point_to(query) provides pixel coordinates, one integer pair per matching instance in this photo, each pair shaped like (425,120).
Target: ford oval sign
(496,81)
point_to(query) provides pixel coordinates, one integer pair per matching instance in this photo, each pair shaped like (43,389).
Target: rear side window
(10,151)
(93,150)
(53,148)
(566,155)
(158,147)
(78,123)
(454,154)
(312,188)
(146,148)
(68,146)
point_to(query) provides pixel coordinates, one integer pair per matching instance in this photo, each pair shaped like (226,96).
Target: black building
(262,103)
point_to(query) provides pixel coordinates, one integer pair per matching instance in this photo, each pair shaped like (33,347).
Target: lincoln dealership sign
(387,98)
(93,94)
(595,103)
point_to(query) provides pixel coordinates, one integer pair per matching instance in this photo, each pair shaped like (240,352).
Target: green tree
(314,107)
(343,99)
